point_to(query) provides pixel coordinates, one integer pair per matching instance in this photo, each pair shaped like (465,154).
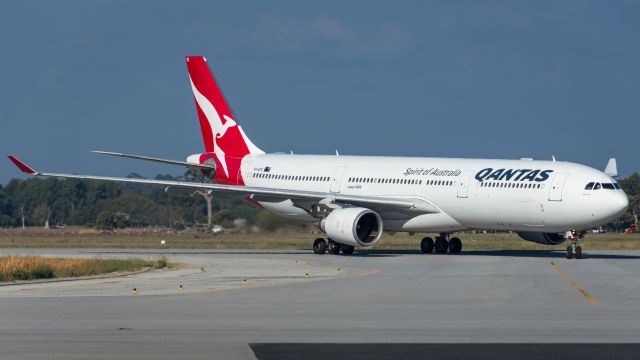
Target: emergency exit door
(463,184)
(557,186)
(336,180)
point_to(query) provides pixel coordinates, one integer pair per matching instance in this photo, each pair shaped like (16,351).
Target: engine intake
(354,226)
(543,238)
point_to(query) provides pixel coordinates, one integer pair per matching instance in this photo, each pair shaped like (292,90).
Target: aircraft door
(463,184)
(336,180)
(557,186)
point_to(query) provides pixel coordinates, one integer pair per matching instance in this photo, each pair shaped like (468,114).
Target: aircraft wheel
(578,252)
(455,245)
(319,246)
(569,252)
(426,245)
(334,247)
(347,249)
(441,245)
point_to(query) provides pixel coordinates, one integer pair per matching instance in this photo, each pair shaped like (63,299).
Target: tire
(569,252)
(427,245)
(334,247)
(578,252)
(441,245)
(347,249)
(455,245)
(319,246)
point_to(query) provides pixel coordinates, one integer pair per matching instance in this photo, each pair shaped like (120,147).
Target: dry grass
(28,267)
(82,238)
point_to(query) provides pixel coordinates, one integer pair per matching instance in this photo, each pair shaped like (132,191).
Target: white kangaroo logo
(217,127)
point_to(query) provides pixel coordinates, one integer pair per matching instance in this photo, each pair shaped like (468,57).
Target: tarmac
(294,302)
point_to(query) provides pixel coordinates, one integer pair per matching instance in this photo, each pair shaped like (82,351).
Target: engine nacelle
(543,238)
(354,226)
(205,158)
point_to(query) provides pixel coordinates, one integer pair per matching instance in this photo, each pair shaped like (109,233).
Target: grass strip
(31,267)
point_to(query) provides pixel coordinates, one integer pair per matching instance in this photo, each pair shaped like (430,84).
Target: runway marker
(180,288)
(308,264)
(338,269)
(134,291)
(586,295)
(306,275)
(244,282)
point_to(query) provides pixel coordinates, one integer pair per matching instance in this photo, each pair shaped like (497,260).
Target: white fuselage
(527,195)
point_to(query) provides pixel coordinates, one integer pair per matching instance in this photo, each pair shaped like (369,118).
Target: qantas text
(513,174)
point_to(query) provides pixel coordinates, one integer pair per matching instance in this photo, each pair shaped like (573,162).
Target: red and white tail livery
(353,199)
(224,140)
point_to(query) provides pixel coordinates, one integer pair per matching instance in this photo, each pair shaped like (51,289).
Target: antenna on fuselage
(337,154)
(553,158)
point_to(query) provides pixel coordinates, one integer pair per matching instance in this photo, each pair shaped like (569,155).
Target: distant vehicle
(632,229)
(353,199)
(599,230)
(217,229)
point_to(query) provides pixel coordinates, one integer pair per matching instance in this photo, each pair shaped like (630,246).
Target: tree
(41,215)
(209,200)
(224,217)
(108,220)
(631,186)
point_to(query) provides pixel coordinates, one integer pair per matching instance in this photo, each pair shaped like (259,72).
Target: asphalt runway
(376,298)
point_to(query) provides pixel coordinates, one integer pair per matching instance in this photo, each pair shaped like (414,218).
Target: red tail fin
(221,134)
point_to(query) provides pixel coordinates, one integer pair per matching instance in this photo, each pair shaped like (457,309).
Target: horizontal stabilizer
(163,161)
(612,168)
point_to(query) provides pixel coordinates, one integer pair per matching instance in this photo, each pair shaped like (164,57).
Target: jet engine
(354,226)
(543,238)
(208,173)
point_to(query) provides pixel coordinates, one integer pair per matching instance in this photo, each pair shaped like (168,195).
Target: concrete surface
(377,297)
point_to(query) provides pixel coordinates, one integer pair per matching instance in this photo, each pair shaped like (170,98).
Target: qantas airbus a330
(354,199)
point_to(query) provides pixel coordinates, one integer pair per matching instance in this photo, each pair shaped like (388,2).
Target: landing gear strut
(575,249)
(441,245)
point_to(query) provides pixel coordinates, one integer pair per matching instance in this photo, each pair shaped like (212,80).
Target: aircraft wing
(408,206)
(163,161)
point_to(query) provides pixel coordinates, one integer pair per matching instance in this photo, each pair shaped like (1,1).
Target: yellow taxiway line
(585,294)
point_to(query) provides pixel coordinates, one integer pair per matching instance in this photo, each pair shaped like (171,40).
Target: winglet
(22,166)
(612,168)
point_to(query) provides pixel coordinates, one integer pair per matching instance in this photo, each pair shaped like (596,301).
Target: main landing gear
(441,245)
(575,249)
(321,246)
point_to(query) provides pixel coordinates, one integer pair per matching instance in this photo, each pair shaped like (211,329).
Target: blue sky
(451,78)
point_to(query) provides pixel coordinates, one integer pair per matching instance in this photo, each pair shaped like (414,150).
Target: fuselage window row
(510,185)
(399,181)
(291,177)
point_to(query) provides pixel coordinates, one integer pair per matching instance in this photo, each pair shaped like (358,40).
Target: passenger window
(597,186)
(589,186)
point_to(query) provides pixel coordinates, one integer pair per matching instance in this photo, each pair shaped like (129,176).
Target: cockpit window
(589,186)
(608,186)
(597,187)
(617,186)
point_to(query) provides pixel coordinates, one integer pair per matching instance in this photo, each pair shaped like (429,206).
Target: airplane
(354,199)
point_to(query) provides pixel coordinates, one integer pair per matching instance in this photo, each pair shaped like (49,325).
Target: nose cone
(617,203)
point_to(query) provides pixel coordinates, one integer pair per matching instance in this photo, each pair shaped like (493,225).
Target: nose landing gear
(575,249)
